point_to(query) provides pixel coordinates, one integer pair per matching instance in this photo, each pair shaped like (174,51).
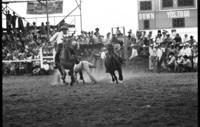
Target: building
(168,14)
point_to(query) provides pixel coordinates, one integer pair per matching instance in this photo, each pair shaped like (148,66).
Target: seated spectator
(171,62)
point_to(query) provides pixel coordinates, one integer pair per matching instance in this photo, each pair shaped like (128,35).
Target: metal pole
(47,20)
(81,16)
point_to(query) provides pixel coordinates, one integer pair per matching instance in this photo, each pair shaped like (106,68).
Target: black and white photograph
(99,63)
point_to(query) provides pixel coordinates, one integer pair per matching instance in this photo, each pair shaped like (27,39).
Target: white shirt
(159,53)
(46,67)
(58,36)
(134,53)
(185,39)
(152,51)
(103,55)
(158,40)
(181,52)
(188,51)
(172,60)
(187,63)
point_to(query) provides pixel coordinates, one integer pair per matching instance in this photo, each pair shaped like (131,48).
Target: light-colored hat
(195,44)
(187,44)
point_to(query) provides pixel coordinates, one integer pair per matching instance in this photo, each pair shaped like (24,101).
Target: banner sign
(36,8)
(146,16)
(178,14)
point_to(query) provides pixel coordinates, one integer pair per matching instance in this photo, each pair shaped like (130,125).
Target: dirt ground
(144,100)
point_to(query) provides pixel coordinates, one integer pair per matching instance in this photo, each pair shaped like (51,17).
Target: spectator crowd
(166,51)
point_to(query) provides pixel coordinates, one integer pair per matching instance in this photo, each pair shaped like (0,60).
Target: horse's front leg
(72,77)
(63,73)
(114,77)
(81,76)
(120,75)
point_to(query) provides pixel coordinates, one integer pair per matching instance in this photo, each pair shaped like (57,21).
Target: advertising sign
(36,8)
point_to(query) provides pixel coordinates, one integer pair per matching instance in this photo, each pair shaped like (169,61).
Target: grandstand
(168,14)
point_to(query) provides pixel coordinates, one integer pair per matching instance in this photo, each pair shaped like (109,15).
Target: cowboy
(111,50)
(59,38)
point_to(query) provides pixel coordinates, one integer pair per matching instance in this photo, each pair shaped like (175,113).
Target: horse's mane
(110,48)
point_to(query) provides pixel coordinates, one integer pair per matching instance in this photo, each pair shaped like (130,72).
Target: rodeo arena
(57,75)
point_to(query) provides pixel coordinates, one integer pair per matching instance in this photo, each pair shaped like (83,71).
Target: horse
(66,61)
(113,63)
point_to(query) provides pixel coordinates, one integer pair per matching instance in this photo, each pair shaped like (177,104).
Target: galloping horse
(113,63)
(67,61)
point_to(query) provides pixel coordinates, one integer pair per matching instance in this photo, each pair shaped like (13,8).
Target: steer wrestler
(81,66)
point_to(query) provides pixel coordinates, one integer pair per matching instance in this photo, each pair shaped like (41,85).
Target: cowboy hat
(97,29)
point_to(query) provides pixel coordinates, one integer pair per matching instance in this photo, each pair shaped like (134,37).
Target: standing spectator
(129,34)
(118,32)
(195,55)
(173,33)
(171,62)
(27,27)
(13,21)
(150,38)
(134,52)
(178,39)
(108,39)
(158,39)
(152,57)
(192,40)
(164,36)
(8,20)
(96,33)
(169,40)
(159,54)
(185,39)
(20,24)
(42,28)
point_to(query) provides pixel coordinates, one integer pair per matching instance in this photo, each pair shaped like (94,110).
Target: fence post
(41,58)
